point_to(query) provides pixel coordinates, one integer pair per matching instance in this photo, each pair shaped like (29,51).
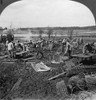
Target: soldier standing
(68,49)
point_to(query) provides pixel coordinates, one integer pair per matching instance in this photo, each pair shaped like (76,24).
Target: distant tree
(55,35)
(3,39)
(49,33)
(70,34)
(40,33)
(10,35)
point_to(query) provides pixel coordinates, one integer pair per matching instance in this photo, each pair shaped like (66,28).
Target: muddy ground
(35,85)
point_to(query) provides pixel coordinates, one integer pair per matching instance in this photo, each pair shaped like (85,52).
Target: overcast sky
(42,13)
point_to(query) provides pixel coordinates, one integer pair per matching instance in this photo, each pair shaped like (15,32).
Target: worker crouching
(88,48)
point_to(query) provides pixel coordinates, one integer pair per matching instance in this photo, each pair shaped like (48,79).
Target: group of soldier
(66,44)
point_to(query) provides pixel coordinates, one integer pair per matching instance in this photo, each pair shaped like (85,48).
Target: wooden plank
(9,61)
(28,59)
(54,77)
(14,87)
(84,56)
(20,53)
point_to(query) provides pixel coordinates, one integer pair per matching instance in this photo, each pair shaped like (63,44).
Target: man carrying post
(68,49)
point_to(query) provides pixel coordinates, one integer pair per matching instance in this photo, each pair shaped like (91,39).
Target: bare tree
(40,33)
(55,35)
(70,34)
(49,33)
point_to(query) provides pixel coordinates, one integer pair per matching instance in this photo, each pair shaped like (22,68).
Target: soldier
(20,45)
(10,37)
(63,44)
(68,49)
(87,48)
(10,49)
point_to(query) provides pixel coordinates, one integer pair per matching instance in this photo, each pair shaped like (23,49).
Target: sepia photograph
(47,49)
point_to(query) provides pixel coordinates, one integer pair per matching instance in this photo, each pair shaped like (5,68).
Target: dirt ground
(81,96)
(34,85)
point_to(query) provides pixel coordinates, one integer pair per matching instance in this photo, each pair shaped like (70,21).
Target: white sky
(43,13)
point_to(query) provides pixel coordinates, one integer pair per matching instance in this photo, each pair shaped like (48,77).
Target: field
(32,85)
